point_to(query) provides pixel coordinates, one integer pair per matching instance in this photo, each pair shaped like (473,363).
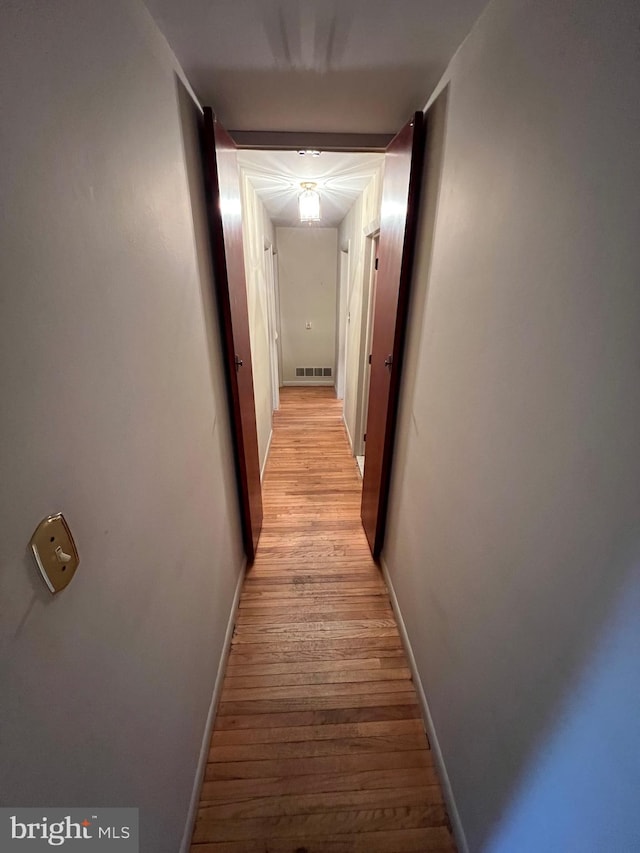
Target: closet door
(398,224)
(224,208)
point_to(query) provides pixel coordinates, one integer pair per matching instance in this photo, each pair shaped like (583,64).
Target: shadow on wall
(588,746)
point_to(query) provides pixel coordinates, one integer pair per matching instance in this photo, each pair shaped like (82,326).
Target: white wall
(307,272)
(256,228)
(351,234)
(113,411)
(513,541)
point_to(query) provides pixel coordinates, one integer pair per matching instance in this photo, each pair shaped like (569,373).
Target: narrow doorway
(320,296)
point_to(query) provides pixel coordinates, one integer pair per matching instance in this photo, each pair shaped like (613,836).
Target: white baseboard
(447,791)
(211,716)
(266,456)
(346,426)
(308,383)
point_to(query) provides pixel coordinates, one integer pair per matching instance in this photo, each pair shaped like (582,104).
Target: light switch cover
(55,552)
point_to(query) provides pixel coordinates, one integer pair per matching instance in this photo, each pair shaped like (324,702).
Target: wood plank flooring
(318,745)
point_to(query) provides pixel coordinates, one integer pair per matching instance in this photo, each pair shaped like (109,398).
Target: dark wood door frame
(398,229)
(223,200)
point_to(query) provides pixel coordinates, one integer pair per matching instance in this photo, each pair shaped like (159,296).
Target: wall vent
(316,372)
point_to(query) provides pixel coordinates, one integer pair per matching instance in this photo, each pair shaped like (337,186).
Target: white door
(269,262)
(341,328)
(368,307)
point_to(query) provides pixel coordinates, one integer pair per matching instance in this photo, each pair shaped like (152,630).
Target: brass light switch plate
(55,552)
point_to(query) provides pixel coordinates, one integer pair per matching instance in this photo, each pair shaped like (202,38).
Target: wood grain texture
(318,743)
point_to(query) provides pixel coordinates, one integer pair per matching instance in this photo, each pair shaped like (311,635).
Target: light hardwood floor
(318,745)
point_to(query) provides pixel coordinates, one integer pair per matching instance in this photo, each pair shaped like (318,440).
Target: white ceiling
(277,175)
(333,66)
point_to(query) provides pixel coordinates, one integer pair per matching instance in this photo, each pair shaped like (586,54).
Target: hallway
(318,744)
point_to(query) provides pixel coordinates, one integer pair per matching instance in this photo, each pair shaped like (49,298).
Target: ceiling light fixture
(311,151)
(309,202)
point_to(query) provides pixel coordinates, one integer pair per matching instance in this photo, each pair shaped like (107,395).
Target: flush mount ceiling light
(309,202)
(311,151)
